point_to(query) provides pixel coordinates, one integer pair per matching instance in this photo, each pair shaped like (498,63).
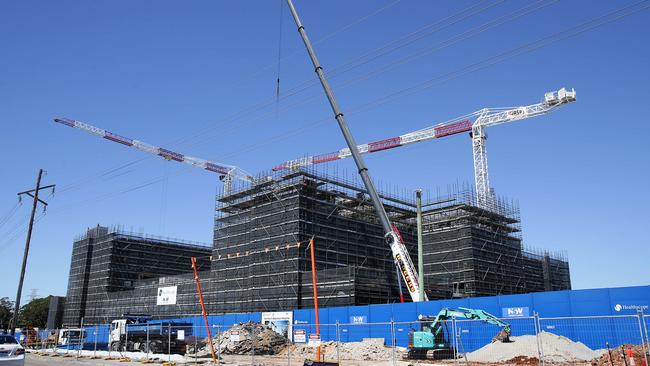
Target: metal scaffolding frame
(108,266)
(260,260)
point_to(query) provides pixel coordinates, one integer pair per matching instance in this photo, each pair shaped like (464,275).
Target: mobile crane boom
(475,122)
(393,238)
(228,172)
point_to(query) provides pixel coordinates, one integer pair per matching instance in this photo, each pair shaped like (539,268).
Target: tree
(34,313)
(6,312)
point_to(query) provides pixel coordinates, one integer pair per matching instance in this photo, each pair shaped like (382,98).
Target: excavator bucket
(503,336)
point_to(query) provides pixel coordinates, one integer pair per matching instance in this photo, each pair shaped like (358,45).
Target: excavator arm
(471,314)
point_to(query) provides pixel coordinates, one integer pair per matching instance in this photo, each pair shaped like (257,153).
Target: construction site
(260,259)
(309,265)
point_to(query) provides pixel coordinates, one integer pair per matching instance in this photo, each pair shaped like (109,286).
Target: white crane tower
(475,122)
(227,172)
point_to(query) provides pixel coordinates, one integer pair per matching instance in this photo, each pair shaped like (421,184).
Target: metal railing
(534,340)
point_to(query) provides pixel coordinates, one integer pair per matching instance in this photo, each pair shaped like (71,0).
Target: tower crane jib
(227,172)
(475,122)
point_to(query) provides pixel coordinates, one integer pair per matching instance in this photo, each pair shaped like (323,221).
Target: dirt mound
(369,350)
(556,349)
(617,356)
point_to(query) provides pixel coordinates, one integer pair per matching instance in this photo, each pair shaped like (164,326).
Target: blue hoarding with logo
(567,313)
(517,312)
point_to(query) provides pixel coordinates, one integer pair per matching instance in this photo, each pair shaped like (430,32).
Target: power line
(395,44)
(501,57)
(440,79)
(10,214)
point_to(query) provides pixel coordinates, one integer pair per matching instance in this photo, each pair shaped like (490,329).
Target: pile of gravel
(556,349)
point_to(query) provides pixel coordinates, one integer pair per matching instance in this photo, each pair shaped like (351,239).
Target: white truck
(140,333)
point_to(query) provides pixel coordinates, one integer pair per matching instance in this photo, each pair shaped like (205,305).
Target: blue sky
(172,73)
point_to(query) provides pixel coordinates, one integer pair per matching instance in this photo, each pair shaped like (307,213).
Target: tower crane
(227,172)
(475,123)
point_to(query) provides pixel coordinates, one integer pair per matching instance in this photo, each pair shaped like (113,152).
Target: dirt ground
(227,360)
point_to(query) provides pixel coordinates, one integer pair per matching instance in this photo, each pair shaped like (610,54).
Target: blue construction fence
(592,316)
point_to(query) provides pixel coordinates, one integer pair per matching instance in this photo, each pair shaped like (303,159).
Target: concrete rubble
(617,357)
(253,338)
(370,349)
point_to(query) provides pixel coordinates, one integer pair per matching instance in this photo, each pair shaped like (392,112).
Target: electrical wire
(7,217)
(440,79)
(430,28)
(523,49)
(506,55)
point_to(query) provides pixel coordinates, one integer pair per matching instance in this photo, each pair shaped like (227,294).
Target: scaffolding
(260,261)
(354,263)
(108,263)
(471,251)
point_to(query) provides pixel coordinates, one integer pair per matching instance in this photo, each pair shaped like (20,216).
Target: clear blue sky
(161,71)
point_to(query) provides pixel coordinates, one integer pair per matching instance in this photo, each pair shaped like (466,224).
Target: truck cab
(71,338)
(118,328)
(118,334)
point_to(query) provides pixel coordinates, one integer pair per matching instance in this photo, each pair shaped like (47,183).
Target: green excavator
(435,332)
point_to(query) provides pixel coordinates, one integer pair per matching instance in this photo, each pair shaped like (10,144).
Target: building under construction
(471,251)
(109,266)
(260,260)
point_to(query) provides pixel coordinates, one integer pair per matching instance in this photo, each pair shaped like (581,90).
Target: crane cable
(277,88)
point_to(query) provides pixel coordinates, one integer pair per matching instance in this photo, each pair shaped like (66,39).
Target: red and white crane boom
(227,171)
(475,123)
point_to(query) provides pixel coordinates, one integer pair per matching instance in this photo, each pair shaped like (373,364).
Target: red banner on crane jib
(325,158)
(384,144)
(168,154)
(119,139)
(216,168)
(453,128)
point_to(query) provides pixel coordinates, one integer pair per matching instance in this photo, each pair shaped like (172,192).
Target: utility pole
(418,203)
(34,194)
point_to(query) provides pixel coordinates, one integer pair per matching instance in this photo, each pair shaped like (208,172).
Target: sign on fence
(234,336)
(180,335)
(314,340)
(518,312)
(299,336)
(358,319)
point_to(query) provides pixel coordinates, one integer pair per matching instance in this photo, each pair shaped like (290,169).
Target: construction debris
(616,354)
(370,349)
(556,349)
(245,339)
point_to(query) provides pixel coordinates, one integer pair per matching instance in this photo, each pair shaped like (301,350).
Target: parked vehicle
(11,353)
(140,333)
(72,338)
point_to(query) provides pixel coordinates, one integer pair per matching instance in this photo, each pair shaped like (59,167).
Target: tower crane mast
(475,122)
(227,172)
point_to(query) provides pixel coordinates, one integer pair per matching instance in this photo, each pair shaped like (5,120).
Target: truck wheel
(153,347)
(115,346)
